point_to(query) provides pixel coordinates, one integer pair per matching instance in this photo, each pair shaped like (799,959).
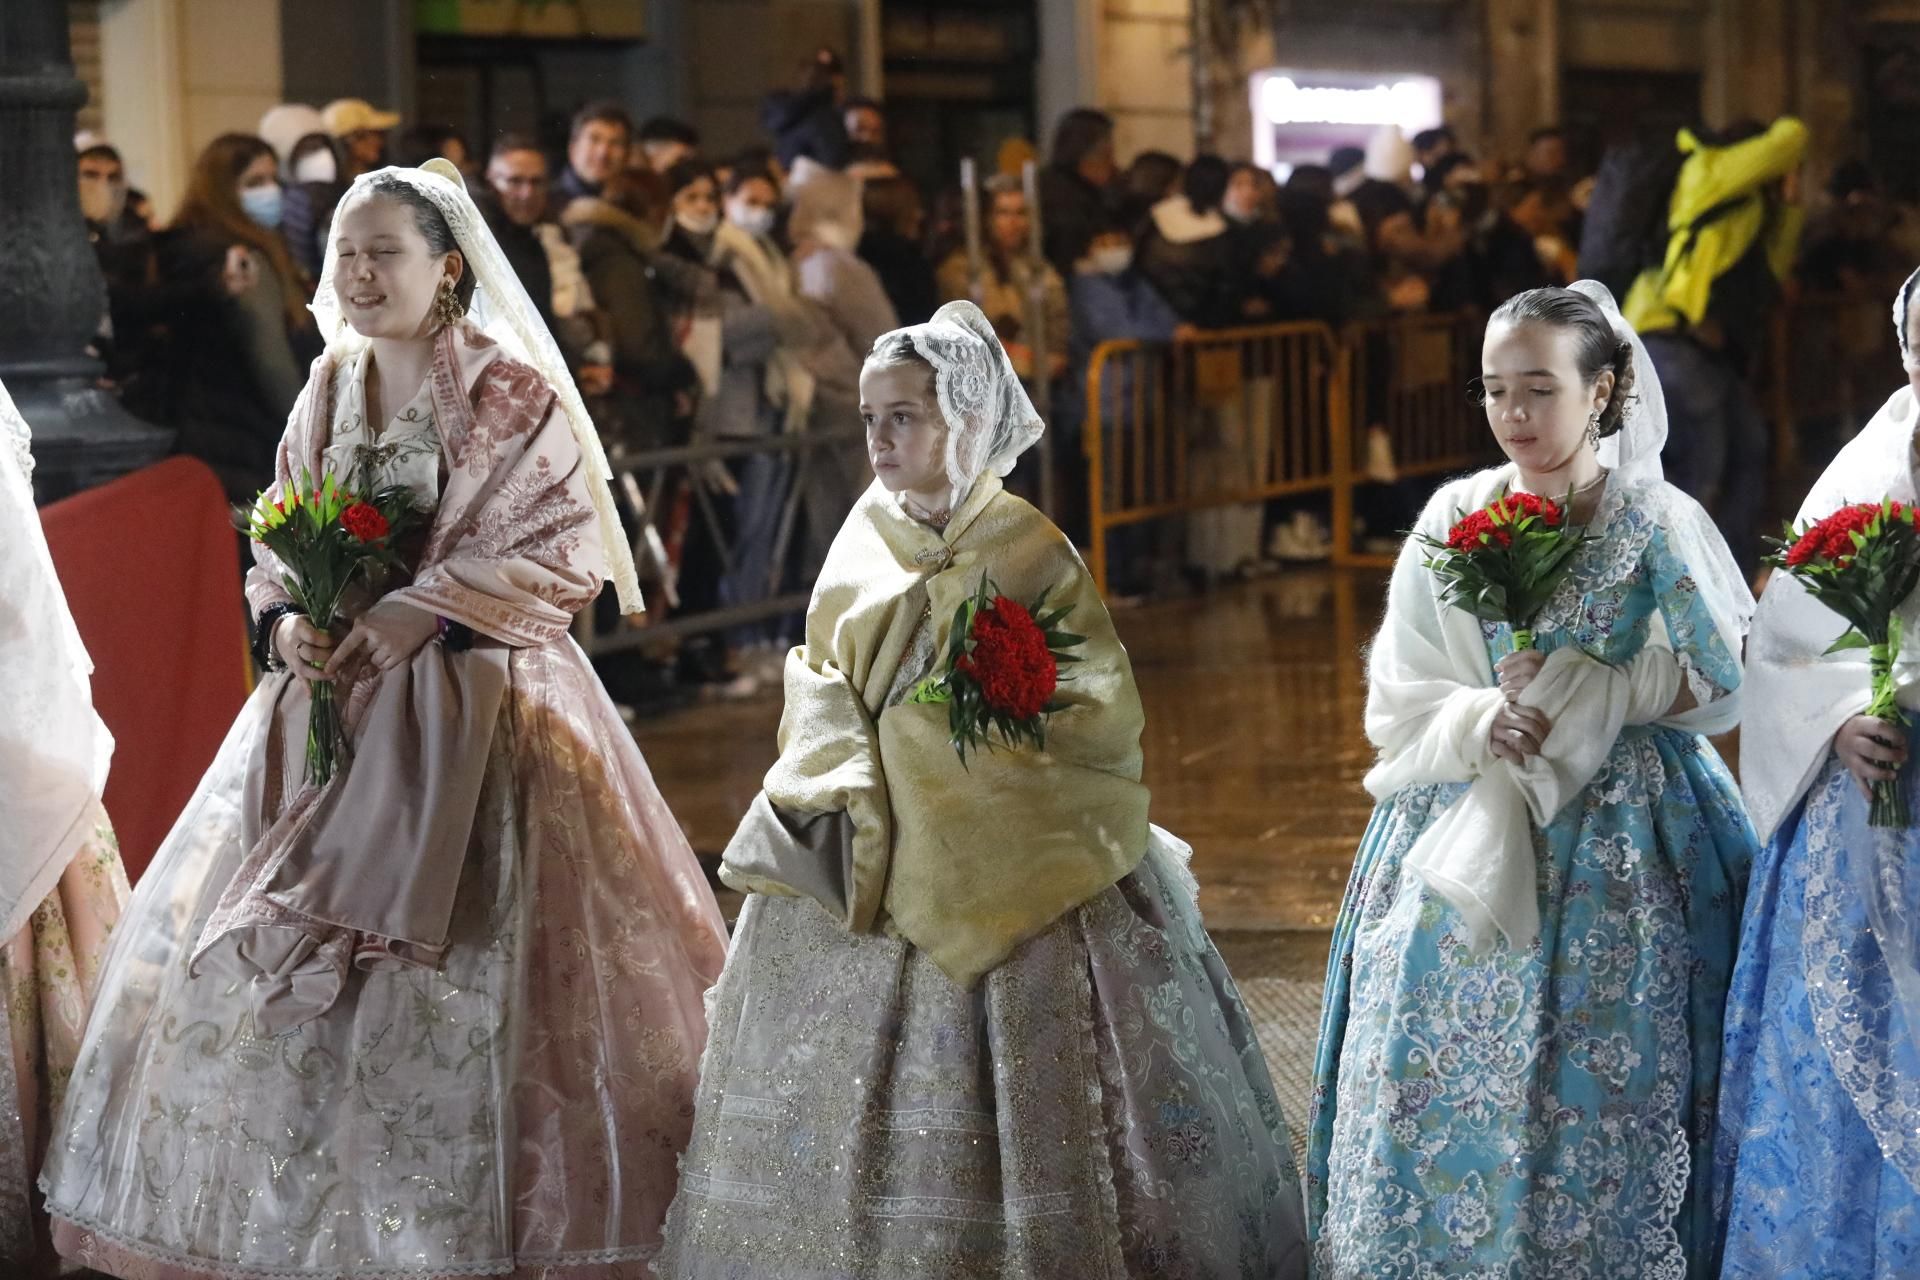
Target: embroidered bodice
(407,453)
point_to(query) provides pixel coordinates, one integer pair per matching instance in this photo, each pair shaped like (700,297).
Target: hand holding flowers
(1862,562)
(327,538)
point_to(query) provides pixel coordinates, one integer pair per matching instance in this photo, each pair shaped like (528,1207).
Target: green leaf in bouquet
(1852,639)
(930,691)
(957,638)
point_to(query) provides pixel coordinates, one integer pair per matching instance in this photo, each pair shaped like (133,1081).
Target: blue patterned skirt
(1816,1047)
(1546,1111)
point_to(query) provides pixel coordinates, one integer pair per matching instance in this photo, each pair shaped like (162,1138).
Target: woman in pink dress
(441,1016)
(62,886)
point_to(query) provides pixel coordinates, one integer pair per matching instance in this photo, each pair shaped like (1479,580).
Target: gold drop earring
(447,308)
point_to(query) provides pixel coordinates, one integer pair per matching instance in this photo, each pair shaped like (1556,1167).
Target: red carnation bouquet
(1862,562)
(327,537)
(1002,670)
(1503,562)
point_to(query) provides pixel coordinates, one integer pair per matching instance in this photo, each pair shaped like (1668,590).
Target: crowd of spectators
(713,298)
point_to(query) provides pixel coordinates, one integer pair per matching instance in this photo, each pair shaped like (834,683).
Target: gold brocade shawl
(963,862)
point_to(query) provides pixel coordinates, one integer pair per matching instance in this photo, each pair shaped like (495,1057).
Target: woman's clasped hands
(382,638)
(1518,731)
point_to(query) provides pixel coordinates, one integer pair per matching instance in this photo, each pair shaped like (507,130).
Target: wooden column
(1523,68)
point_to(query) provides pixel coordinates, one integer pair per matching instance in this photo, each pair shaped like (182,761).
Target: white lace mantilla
(990,420)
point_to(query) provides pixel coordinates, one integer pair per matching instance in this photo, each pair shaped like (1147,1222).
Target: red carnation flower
(364,521)
(1010,660)
(1476,530)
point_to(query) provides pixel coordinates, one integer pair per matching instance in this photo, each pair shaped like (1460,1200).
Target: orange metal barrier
(1237,416)
(1410,376)
(1226,418)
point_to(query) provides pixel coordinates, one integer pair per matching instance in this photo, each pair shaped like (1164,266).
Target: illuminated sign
(1412,103)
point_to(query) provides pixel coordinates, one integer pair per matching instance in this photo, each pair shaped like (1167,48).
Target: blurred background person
(826,226)
(1150,178)
(313,192)
(597,144)
(415,145)
(240,337)
(1187,254)
(664,142)
(514,203)
(361,130)
(1734,226)
(894,245)
(807,120)
(1076,187)
(865,121)
(1548,158)
(618,235)
(1011,281)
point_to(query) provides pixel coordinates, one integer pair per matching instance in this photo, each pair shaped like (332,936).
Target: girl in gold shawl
(971,1024)
(441,1016)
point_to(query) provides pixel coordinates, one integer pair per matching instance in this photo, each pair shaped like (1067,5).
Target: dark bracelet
(455,637)
(263,655)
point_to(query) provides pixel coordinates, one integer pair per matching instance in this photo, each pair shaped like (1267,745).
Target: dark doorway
(1603,107)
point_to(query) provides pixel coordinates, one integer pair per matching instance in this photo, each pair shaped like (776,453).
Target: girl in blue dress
(1819,1141)
(1521,1043)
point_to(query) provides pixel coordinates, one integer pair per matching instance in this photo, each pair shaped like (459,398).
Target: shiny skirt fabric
(518,1110)
(1817,1172)
(48,973)
(1095,1107)
(1543,1113)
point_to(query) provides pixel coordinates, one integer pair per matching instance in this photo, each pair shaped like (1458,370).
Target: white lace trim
(990,420)
(19,436)
(1847,1024)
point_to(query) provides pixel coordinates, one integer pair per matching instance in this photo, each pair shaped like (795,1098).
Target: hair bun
(1614,415)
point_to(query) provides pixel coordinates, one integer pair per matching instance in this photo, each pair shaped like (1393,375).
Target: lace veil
(1633,452)
(501,310)
(990,420)
(55,753)
(1632,456)
(14,431)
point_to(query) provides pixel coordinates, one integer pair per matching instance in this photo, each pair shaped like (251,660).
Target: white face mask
(263,204)
(1111,260)
(316,166)
(754,219)
(698,224)
(102,201)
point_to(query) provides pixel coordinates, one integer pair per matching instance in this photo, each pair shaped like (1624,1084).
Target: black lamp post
(51,292)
